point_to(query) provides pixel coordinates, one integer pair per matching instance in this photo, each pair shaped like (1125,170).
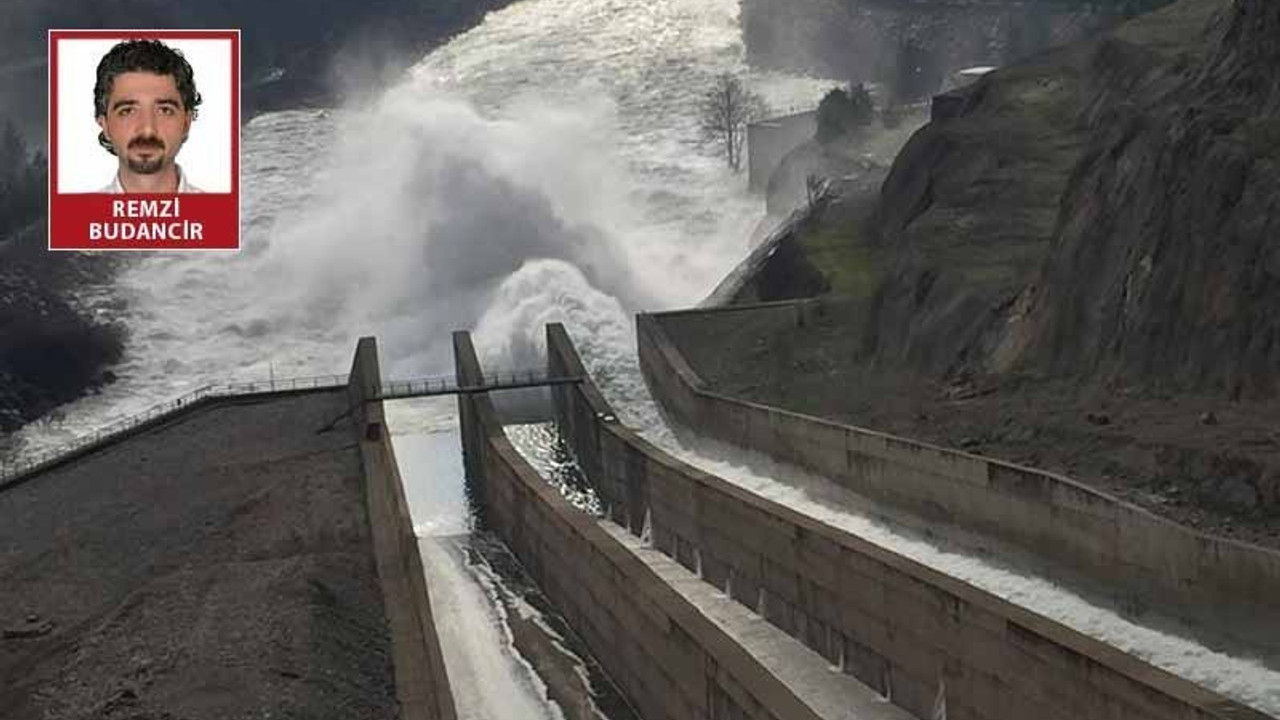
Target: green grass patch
(852,268)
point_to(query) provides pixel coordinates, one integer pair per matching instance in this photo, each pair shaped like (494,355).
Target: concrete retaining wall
(768,141)
(670,660)
(422,685)
(1140,559)
(920,637)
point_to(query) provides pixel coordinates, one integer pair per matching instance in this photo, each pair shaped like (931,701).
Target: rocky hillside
(51,349)
(1164,263)
(1101,211)
(1073,266)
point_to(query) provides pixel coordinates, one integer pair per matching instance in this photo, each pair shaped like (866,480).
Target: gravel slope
(217,567)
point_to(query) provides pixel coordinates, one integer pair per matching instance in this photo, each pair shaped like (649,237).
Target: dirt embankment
(1201,460)
(1073,269)
(218,567)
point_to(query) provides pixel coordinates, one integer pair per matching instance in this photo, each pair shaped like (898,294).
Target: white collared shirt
(115,188)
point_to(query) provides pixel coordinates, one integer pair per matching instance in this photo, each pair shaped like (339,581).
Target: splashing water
(543,165)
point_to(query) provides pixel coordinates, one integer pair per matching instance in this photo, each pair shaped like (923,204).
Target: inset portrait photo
(144,139)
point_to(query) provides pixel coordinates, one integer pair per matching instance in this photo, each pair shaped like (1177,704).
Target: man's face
(145,121)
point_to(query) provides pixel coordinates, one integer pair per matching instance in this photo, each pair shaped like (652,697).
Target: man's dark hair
(150,56)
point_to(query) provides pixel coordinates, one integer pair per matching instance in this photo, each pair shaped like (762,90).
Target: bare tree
(723,114)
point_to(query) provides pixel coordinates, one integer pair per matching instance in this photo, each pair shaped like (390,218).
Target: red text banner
(190,221)
(101,110)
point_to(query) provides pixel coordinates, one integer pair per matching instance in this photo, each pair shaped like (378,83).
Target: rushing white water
(552,149)
(475,593)
(475,640)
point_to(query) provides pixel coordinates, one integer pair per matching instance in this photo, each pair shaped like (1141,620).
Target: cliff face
(1105,211)
(1164,263)
(968,210)
(1072,269)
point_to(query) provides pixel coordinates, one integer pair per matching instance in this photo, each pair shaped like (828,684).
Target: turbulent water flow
(496,629)
(543,165)
(471,618)
(473,633)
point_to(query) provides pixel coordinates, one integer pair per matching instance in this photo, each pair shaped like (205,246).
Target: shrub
(841,111)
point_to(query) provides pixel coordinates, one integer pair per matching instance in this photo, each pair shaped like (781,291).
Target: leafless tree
(723,113)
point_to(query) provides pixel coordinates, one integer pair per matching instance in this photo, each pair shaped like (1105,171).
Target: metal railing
(449,385)
(50,456)
(417,387)
(391,389)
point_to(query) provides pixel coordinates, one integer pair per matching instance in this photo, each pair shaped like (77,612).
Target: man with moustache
(145,99)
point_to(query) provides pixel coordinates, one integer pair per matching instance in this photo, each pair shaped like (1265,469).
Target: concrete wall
(915,634)
(422,685)
(669,659)
(1142,560)
(768,141)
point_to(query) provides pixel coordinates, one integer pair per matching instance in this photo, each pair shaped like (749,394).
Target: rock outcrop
(1075,268)
(51,350)
(1106,211)
(1164,264)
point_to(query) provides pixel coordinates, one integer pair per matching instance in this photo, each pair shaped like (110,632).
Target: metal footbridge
(388,389)
(449,385)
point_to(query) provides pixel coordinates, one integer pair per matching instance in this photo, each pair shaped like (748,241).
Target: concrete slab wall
(1138,558)
(669,659)
(923,639)
(769,140)
(422,685)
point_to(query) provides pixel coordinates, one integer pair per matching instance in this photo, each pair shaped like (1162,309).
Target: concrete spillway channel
(675,646)
(507,653)
(931,643)
(496,630)
(1202,608)
(250,554)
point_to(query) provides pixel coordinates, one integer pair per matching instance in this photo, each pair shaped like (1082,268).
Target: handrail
(389,389)
(50,456)
(448,384)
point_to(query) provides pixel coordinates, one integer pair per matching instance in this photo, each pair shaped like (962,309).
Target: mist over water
(543,166)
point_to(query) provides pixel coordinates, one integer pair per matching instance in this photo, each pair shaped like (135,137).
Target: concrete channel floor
(825,689)
(217,566)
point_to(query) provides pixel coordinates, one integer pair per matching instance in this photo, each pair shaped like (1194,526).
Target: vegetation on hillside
(50,351)
(842,111)
(22,182)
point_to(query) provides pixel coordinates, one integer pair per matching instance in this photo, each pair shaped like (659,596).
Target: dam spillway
(696,597)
